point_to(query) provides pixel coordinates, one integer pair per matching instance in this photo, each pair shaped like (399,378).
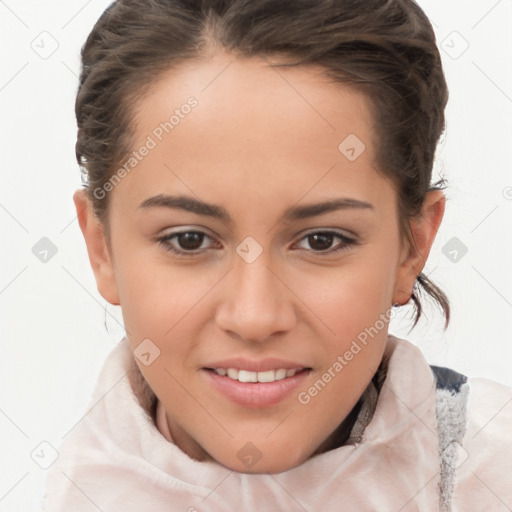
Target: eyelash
(345,245)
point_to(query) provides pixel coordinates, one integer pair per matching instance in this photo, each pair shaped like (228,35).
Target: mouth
(256,389)
(264,377)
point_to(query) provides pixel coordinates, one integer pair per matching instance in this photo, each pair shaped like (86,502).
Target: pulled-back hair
(384,48)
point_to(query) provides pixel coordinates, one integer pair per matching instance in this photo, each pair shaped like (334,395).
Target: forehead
(251,94)
(252,128)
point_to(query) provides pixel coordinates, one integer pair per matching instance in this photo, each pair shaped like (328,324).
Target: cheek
(162,304)
(350,297)
(157,297)
(354,303)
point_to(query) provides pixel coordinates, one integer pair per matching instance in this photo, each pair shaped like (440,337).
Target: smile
(256,389)
(249,376)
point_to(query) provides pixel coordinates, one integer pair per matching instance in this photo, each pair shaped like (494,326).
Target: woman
(257,200)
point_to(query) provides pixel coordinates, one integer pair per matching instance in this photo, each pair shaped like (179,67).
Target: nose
(255,302)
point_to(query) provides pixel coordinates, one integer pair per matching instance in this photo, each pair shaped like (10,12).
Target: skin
(255,146)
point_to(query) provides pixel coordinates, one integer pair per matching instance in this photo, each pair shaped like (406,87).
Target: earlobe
(97,248)
(423,229)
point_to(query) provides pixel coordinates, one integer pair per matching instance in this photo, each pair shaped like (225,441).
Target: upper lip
(264,365)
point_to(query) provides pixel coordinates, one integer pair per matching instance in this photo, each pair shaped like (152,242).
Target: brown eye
(320,241)
(327,242)
(191,240)
(186,242)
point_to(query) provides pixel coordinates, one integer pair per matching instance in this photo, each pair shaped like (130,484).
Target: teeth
(247,376)
(281,374)
(233,373)
(269,376)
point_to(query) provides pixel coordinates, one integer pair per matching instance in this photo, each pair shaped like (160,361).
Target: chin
(249,459)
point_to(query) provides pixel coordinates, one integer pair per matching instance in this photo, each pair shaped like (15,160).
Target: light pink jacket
(117,460)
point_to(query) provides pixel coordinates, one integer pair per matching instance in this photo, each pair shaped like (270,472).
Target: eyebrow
(198,207)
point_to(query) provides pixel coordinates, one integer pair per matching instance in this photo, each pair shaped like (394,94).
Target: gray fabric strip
(451,412)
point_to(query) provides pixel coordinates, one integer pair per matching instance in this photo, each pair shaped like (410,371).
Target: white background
(54,337)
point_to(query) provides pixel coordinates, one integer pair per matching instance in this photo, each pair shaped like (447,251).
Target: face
(254,238)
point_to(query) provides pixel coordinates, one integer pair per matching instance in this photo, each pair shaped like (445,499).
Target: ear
(97,247)
(424,229)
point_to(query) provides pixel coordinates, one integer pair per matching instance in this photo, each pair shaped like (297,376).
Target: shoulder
(486,406)
(489,413)
(484,471)
(475,440)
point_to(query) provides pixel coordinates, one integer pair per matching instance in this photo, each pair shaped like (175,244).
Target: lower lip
(256,394)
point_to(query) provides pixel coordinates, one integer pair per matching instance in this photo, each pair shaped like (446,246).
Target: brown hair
(385,48)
